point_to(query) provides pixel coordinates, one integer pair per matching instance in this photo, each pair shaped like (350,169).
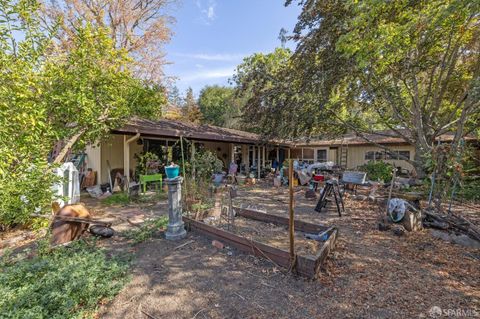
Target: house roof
(173,128)
(385,137)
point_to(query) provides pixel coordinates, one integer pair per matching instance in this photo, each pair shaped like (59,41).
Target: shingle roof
(173,128)
(385,137)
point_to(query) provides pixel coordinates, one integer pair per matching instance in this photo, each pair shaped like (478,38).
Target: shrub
(147,230)
(117,199)
(378,171)
(470,189)
(68,282)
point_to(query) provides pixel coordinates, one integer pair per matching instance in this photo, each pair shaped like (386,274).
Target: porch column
(126,154)
(245,154)
(258,163)
(263,157)
(232,152)
(253,155)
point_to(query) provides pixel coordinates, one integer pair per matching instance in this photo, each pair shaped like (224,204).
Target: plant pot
(172,171)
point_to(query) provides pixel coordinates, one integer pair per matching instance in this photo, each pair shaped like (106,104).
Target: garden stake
(291,226)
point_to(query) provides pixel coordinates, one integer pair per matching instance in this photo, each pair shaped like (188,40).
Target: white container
(68,188)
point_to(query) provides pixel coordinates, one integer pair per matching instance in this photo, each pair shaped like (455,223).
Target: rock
(398,230)
(383,227)
(462,240)
(217,244)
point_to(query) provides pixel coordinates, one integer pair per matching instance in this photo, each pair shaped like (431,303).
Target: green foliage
(218,105)
(191,111)
(147,229)
(378,171)
(50,92)
(470,190)
(25,176)
(68,282)
(275,101)
(147,163)
(117,199)
(407,66)
(206,164)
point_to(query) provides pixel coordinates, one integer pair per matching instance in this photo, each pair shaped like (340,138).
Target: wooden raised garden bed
(306,265)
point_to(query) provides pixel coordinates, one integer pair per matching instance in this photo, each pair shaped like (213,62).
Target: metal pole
(291,225)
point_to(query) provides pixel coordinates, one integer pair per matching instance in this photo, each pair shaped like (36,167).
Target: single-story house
(246,149)
(162,137)
(351,151)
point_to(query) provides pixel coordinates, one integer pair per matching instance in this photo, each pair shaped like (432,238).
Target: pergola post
(126,154)
(232,152)
(258,163)
(263,157)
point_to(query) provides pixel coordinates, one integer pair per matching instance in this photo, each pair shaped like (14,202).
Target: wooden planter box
(308,266)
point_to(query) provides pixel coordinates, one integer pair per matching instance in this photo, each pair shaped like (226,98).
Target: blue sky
(211,37)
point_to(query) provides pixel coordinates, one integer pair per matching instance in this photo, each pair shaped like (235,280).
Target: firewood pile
(451,222)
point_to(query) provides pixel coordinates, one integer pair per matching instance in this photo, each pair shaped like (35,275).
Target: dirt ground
(371,274)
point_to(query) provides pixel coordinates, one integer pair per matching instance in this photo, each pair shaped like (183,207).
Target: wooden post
(263,157)
(183,167)
(192,160)
(258,162)
(291,226)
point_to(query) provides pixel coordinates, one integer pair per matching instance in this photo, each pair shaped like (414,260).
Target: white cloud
(208,74)
(211,12)
(207,12)
(212,57)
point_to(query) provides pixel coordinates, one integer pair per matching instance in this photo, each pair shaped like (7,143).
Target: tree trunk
(419,162)
(68,146)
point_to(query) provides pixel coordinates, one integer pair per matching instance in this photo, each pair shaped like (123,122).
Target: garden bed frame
(308,266)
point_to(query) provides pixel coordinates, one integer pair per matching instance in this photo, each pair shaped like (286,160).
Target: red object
(217,244)
(319,178)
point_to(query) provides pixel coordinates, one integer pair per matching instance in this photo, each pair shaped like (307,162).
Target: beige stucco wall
(356,156)
(112,151)
(93,159)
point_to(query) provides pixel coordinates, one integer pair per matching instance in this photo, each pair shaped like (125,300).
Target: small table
(144,179)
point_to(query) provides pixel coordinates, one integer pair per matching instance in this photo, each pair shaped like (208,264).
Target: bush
(147,230)
(470,190)
(117,199)
(378,171)
(68,282)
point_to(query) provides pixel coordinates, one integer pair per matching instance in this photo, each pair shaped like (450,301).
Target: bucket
(172,171)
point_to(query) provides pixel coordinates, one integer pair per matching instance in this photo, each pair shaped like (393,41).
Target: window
(370,156)
(404,155)
(379,155)
(308,154)
(321,155)
(384,155)
(296,153)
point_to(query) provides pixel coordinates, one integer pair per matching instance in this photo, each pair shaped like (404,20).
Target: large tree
(275,102)
(141,27)
(190,110)
(408,66)
(75,95)
(219,106)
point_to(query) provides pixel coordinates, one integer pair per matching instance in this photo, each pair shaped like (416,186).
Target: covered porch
(119,152)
